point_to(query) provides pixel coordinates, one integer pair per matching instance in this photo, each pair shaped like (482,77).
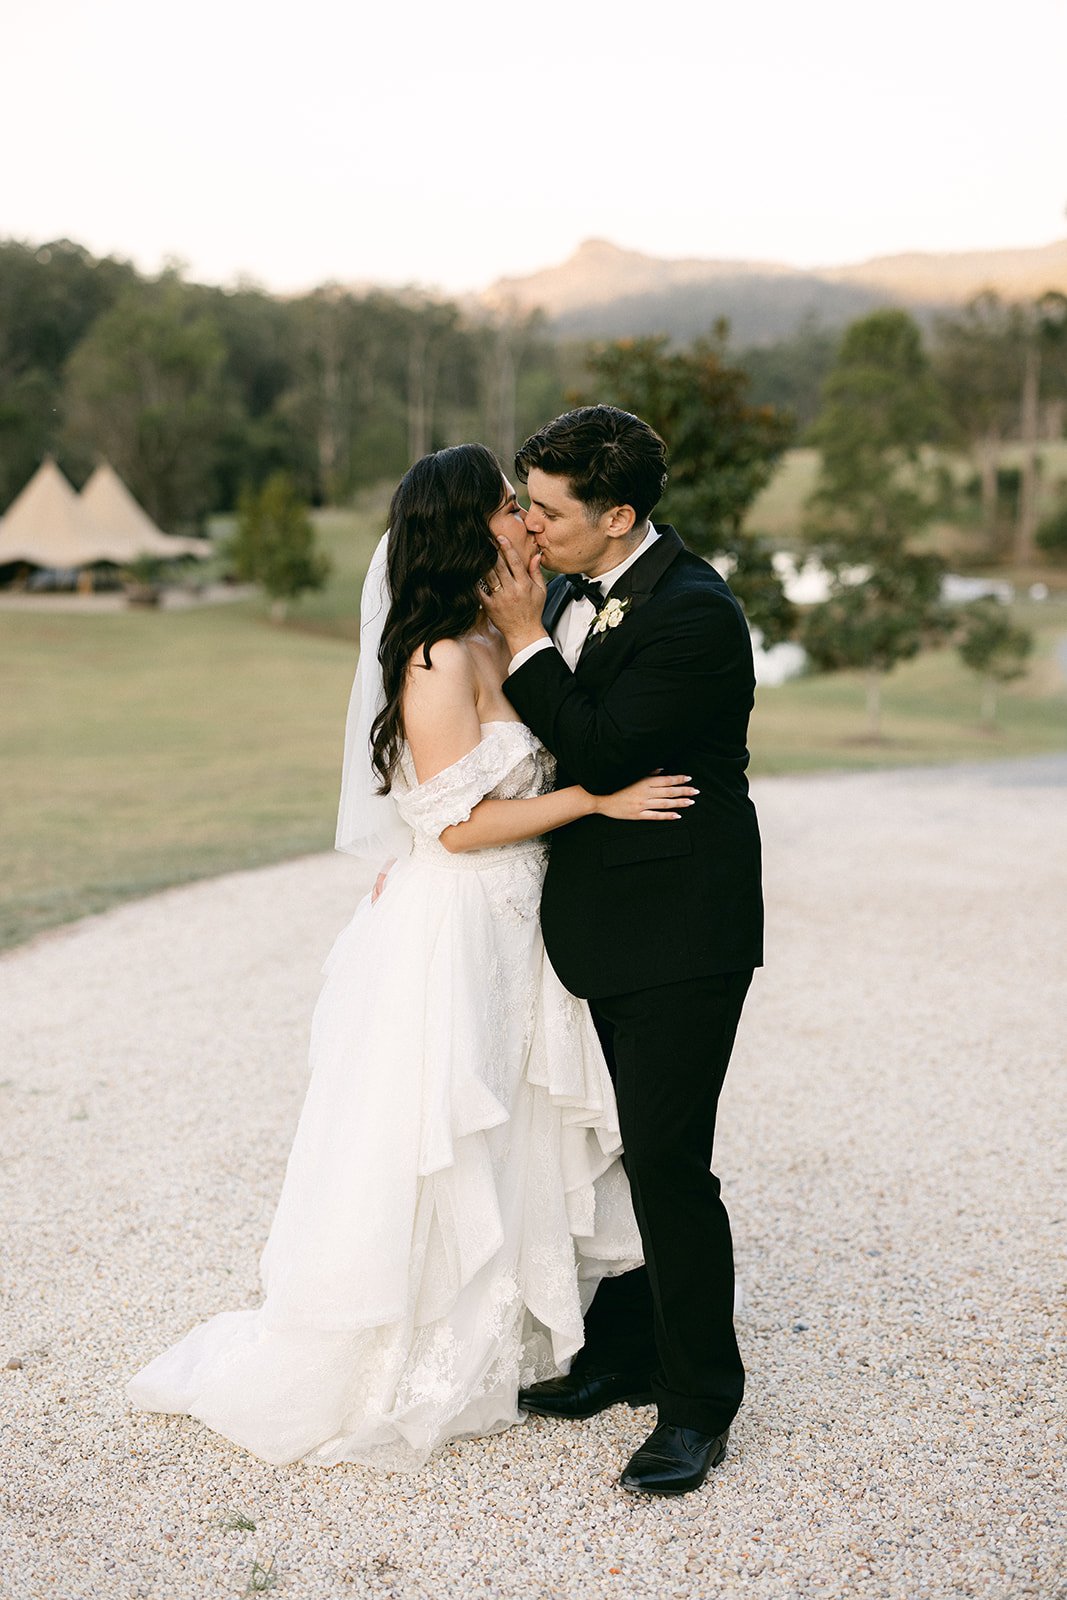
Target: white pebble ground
(891,1145)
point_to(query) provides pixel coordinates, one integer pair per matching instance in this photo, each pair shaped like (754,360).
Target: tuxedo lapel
(556,598)
(638,582)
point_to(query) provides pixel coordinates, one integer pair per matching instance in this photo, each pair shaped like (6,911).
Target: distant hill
(603,291)
(951,279)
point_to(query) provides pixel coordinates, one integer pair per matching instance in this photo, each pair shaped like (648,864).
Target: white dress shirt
(577,615)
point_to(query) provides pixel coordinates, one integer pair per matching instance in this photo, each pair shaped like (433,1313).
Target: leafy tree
(1052,533)
(49,297)
(274,543)
(259,338)
(977,362)
(1044,344)
(723,451)
(873,497)
(789,373)
(194,391)
(379,380)
(997,363)
(28,412)
(992,646)
(520,381)
(880,406)
(873,625)
(146,389)
(431,345)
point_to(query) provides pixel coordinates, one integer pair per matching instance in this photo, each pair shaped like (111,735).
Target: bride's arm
(654,799)
(441,725)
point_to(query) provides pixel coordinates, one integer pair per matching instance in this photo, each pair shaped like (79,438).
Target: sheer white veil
(368,823)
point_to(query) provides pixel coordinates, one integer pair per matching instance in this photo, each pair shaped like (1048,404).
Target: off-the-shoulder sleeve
(451,795)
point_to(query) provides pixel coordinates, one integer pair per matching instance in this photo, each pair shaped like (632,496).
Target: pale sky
(449,143)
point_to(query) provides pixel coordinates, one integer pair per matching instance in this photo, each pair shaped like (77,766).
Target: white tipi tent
(123,529)
(47,526)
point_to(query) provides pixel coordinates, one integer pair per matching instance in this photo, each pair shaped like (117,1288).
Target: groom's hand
(515,597)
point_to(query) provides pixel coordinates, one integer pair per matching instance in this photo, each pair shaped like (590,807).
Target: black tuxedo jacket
(632,905)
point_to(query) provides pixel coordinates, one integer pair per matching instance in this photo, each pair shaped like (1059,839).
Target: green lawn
(930,711)
(142,749)
(778,512)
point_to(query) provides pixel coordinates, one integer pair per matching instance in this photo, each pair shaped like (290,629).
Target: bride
(455,1191)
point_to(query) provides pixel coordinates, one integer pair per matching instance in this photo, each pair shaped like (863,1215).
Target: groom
(637,658)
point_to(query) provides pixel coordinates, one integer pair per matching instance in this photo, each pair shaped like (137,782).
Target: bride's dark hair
(439,548)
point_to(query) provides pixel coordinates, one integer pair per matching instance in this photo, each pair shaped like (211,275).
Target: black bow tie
(580,588)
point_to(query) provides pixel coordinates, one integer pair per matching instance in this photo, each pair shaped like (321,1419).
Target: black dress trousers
(668,1049)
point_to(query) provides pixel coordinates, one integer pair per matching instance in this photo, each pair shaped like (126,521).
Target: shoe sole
(633,1400)
(636,1488)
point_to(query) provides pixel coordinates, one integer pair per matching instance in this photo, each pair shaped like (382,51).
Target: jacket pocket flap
(643,842)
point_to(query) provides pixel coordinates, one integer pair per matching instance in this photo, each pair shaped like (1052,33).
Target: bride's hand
(653,799)
(380,880)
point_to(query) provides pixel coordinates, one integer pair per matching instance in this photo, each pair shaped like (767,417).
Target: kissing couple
(499,1198)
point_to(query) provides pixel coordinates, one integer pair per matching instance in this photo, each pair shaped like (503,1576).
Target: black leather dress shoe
(673,1460)
(583,1394)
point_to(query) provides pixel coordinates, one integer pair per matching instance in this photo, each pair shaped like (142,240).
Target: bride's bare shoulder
(450,660)
(440,707)
(450,681)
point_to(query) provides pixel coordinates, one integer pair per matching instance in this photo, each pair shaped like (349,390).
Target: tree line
(197,393)
(207,399)
(884,399)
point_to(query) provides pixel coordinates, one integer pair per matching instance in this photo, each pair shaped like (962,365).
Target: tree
(723,451)
(992,646)
(379,380)
(997,364)
(873,625)
(146,389)
(1044,339)
(431,334)
(1052,533)
(880,406)
(976,359)
(873,497)
(49,297)
(260,337)
(274,543)
(789,373)
(194,391)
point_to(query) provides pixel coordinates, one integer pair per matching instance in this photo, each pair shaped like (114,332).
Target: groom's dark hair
(609,457)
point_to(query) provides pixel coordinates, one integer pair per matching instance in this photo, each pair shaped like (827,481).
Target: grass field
(143,749)
(930,711)
(779,511)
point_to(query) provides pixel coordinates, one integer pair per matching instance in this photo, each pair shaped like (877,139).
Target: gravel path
(888,1145)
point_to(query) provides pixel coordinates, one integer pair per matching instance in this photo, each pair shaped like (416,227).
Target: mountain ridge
(604,290)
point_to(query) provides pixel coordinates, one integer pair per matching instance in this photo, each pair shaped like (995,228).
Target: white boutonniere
(611,614)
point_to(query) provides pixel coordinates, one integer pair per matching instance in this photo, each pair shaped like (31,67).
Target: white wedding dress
(454,1191)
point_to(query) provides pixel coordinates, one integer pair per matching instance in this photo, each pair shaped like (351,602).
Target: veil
(368,823)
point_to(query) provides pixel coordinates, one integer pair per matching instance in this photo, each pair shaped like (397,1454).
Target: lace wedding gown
(454,1190)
